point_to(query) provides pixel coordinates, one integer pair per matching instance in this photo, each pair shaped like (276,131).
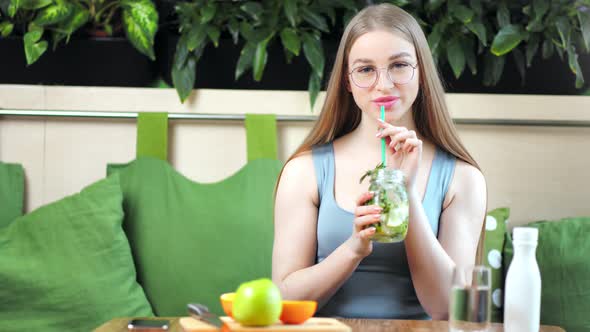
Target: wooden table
(357,325)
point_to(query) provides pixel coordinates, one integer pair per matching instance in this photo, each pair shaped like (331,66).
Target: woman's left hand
(407,158)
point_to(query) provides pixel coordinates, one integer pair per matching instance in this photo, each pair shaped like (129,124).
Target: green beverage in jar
(389,192)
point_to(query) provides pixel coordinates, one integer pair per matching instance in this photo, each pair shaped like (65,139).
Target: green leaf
(261,34)
(247,31)
(535,25)
(574,65)
(456,57)
(519,61)
(254,9)
(54,13)
(213,32)
(13,7)
(260,58)
(234,29)
(77,19)
(246,59)
(32,4)
(66,28)
(183,78)
(433,5)
(559,52)
(531,49)
(547,48)
(503,15)
(290,8)
(540,7)
(56,37)
(290,40)
(564,30)
(507,39)
(435,36)
(462,13)
(140,20)
(314,53)
(584,19)
(527,10)
(6,28)
(288,55)
(316,20)
(468,49)
(208,12)
(313,87)
(479,30)
(493,68)
(181,53)
(400,3)
(34,48)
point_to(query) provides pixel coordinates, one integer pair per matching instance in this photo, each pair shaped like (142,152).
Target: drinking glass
(470,299)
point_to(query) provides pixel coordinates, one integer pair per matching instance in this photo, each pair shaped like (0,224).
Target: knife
(202,313)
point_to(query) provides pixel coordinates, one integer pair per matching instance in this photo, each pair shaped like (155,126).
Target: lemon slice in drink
(398,215)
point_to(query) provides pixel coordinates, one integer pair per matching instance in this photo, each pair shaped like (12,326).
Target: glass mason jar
(389,192)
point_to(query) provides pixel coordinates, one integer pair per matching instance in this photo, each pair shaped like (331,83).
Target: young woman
(322,249)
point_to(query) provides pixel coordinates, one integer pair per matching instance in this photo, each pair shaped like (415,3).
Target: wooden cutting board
(189,324)
(311,325)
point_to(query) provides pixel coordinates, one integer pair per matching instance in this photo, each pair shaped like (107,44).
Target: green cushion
(192,242)
(67,266)
(493,246)
(562,255)
(12,187)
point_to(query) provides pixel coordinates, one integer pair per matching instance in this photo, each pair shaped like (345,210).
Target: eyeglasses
(368,76)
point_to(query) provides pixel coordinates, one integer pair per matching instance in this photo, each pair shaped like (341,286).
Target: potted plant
(78,30)
(234,38)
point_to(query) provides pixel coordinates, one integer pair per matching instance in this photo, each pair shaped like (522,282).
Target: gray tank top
(381,286)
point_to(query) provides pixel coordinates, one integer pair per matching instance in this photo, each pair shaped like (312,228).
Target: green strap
(261,136)
(152,135)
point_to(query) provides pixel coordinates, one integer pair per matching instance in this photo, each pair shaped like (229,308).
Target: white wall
(539,172)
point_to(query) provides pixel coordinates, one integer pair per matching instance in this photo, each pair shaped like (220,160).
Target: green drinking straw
(383,139)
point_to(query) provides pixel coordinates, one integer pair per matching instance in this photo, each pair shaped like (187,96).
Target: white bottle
(522,299)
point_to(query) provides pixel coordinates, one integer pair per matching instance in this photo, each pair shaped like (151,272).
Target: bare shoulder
(299,177)
(468,176)
(467,181)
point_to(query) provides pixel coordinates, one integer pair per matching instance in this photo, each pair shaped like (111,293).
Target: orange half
(297,312)
(227,302)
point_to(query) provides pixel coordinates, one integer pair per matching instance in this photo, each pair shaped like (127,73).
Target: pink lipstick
(387,101)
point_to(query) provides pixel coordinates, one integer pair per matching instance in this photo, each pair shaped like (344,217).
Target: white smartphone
(148,325)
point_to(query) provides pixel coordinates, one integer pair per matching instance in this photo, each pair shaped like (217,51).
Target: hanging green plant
(461,31)
(297,24)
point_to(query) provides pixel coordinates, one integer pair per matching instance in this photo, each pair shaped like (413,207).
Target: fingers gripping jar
(389,192)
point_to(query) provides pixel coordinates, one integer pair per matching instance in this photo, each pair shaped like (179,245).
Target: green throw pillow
(67,266)
(192,242)
(495,228)
(12,188)
(562,256)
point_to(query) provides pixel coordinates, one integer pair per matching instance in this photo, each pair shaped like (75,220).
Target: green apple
(257,303)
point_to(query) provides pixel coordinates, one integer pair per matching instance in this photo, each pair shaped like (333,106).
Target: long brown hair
(340,115)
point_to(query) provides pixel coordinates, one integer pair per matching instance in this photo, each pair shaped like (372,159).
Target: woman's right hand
(360,241)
